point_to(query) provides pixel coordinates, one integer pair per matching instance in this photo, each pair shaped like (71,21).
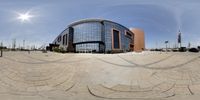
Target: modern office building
(95,35)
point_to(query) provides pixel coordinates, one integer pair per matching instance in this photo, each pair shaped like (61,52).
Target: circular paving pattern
(50,76)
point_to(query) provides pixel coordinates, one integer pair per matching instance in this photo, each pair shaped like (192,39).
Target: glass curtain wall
(87,32)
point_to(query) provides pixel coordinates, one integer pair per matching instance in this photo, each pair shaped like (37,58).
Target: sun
(23,17)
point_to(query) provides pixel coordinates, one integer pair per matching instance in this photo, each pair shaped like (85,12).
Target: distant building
(95,35)
(139,39)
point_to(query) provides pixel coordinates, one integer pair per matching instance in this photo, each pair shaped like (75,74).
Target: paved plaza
(127,76)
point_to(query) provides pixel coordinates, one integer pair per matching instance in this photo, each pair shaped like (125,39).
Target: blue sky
(160,19)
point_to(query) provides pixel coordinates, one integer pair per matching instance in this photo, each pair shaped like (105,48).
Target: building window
(59,38)
(64,39)
(131,47)
(116,39)
(128,34)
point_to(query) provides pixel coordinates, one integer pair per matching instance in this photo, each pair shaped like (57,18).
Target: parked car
(182,49)
(193,50)
(175,50)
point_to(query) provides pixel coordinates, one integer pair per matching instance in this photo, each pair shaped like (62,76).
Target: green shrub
(56,50)
(59,50)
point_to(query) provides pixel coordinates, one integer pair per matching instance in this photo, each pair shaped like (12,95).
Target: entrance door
(131,47)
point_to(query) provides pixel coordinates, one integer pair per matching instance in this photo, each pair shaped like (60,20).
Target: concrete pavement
(133,76)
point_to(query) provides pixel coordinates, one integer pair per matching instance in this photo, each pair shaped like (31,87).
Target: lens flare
(24,17)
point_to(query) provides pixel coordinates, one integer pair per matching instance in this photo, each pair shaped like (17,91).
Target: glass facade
(65,39)
(87,32)
(96,36)
(87,47)
(85,35)
(125,41)
(116,39)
